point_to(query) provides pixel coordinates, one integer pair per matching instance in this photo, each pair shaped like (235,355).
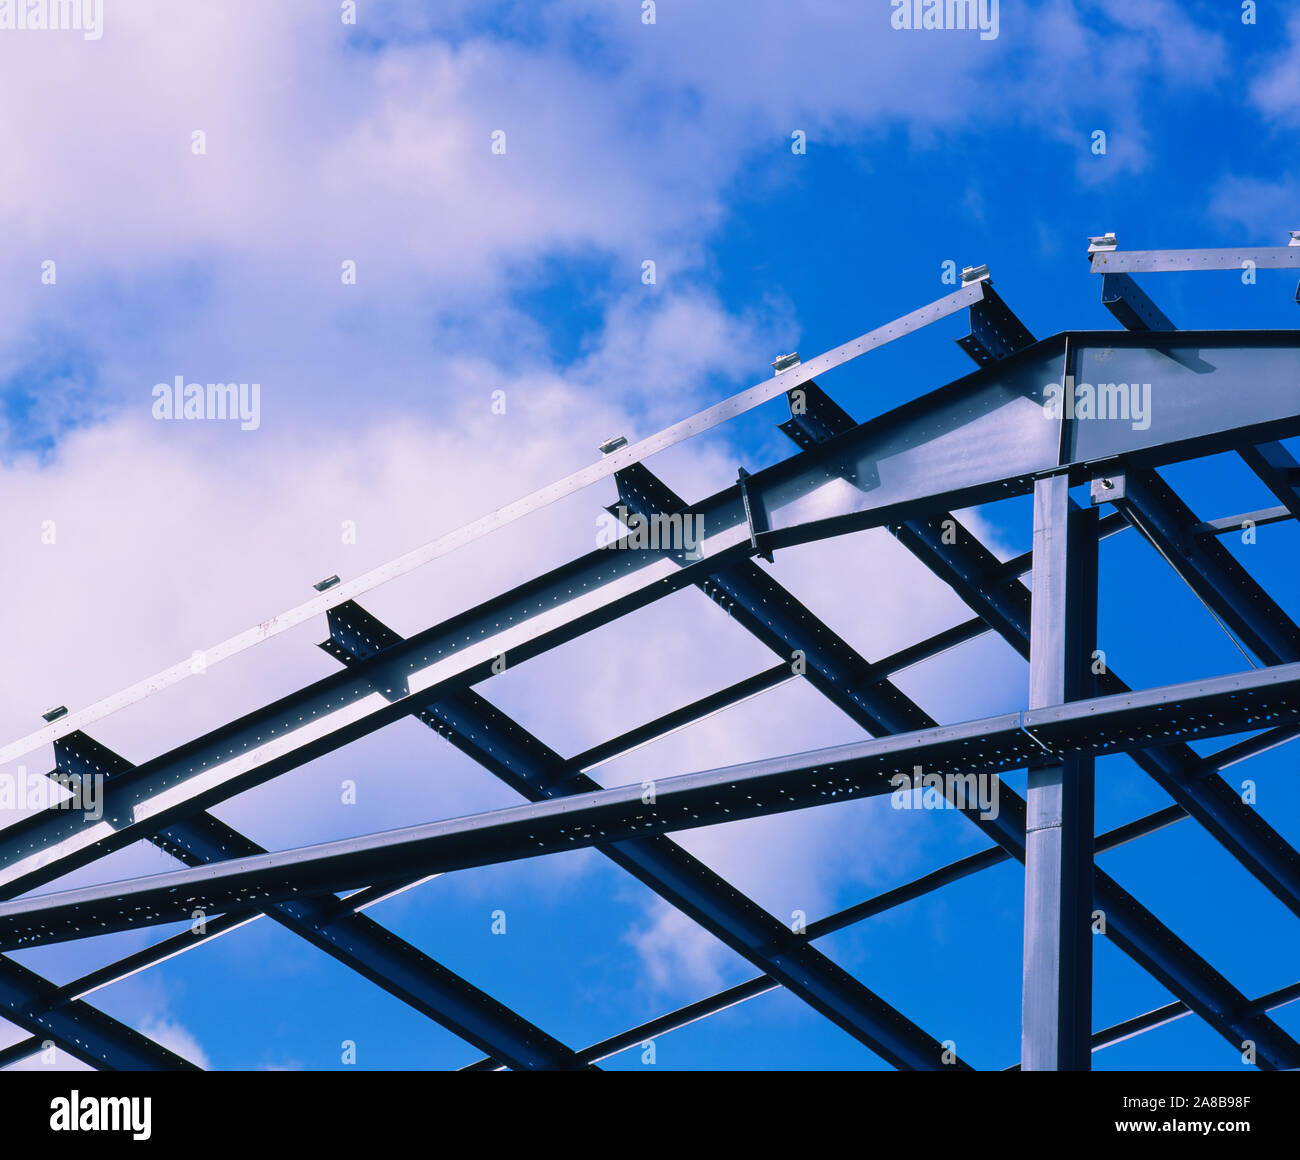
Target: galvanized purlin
(337,594)
(985,436)
(978,439)
(1187,261)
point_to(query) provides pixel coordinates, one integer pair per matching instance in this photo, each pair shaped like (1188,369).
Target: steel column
(1057,978)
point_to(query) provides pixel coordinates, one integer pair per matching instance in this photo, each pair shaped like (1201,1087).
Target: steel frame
(982,438)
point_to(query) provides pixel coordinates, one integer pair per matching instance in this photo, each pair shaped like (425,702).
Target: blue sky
(477,272)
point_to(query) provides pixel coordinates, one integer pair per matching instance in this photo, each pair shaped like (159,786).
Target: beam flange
(1131,305)
(995,331)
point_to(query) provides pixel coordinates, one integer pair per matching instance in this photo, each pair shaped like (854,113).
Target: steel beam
(1185,261)
(1129,303)
(1134,929)
(71,752)
(1216,707)
(995,331)
(78,1028)
(1222,525)
(1057,976)
(898,896)
(981,438)
(677,719)
(114,972)
(660,727)
(1153,391)
(356,941)
(1212,707)
(928,883)
(382,957)
(879,470)
(1279,472)
(1206,566)
(540,774)
(818,928)
(705,420)
(991,588)
(771,614)
(973,573)
(1172,1012)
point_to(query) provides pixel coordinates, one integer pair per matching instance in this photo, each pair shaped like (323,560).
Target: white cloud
(173,1036)
(676,954)
(167,1032)
(171,537)
(164,546)
(1265,208)
(1084,65)
(1276,90)
(318,151)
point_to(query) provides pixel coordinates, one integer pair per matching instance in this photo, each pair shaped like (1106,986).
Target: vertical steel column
(1056,1006)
